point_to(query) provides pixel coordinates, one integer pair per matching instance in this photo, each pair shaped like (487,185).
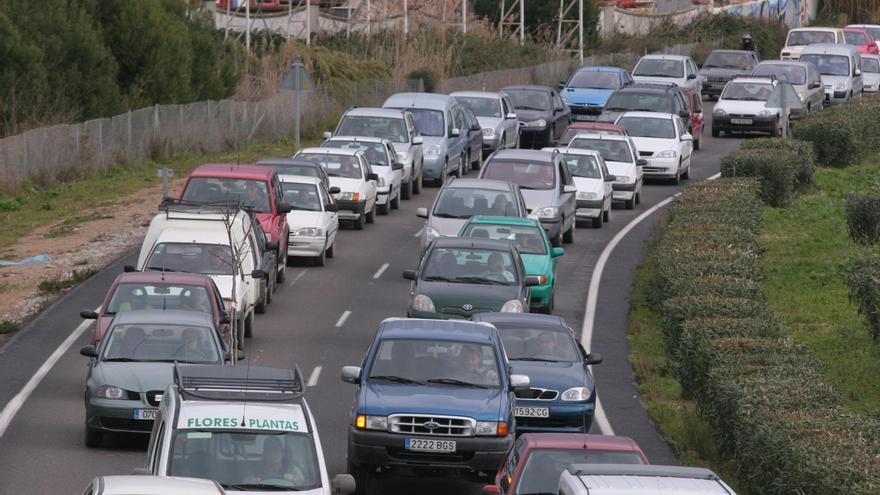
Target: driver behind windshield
(496,270)
(274,467)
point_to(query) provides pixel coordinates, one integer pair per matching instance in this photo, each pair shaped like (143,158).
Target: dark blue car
(588,89)
(562,393)
(432,395)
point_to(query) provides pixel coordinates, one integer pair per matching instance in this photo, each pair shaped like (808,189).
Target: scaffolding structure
(571,25)
(513,19)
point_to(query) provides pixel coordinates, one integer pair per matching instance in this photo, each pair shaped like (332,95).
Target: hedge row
(771,410)
(782,167)
(864,290)
(863,218)
(844,134)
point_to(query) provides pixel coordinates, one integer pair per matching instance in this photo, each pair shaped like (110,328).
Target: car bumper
(534,138)
(379,448)
(757,124)
(432,167)
(623,191)
(661,168)
(835,97)
(540,295)
(490,144)
(564,418)
(383,195)
(117,416)
(305,245)
(589,208)
(551,226)
(350,210)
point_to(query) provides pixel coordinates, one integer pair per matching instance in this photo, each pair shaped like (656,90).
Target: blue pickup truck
(434,396)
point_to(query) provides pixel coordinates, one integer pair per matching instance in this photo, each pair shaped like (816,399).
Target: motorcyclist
(748,43)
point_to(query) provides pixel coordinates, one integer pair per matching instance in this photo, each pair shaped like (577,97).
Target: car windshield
(393,129)
(482,107)
(294,169)
(529,239)
(132,296)
(611,150)
(728,60)
(543,467)
(530,99)
(828,65)
(166,343)
(648,127)
(791,73)
(592,79)
(658,67)
(247,460)
(800,38)
(527,174)
(747,91)
(428,122)
(528,344)
(870,65)
(436,363)
(855,38)
(346,166)
(250,193)
(375,152)
(207,259)
(467,202)
(470,266)
(623,101)
(301,196)
(585,166)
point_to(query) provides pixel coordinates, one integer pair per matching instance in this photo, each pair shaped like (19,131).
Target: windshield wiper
(438,278)
(121,360)
(479,280)
(450,215)
(453,381)
(260,487)
(160,268)
(396,379)
(543,360)
(533,108)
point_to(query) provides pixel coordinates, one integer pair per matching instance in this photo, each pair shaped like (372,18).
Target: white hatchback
(313,221)
(593,182)
(382,157)
(663,140)
(677,69)
(622,159)
(351,173)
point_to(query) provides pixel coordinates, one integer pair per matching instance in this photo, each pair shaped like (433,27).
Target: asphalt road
(42,451)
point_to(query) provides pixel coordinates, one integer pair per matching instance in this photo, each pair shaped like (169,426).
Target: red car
(576,128)
(254,187)
(536,461)
(159,290)
(695,100)
(861,39)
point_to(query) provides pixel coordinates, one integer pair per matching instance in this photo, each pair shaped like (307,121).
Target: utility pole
(564,34)
(405,19)
(247,23)
(464,16)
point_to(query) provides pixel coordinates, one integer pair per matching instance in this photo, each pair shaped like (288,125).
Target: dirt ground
(95,244)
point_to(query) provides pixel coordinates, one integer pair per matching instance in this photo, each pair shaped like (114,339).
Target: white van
(800,38)
(640,479)
(247,427)
(840,67)
(194,238)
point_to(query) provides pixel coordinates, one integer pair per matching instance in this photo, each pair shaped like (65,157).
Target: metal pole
(369,18)
(581,31)
(405,19)
(247,22)
(501,20)
(308,22)
(297,75)
(464,16)
(522,22)
(559,26)
(348,24)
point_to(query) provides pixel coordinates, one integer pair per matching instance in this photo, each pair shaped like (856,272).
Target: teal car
(538,256)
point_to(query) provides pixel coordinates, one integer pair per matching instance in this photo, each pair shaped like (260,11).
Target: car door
(370,186)
(567,200)
(609,192)
(561,116)
(462,142)
(475,133)
(686,147)
(279,219)
(329,220)
(858,83)
(221,314)
(696,113)
(392,159)
(510,125)
(817,92)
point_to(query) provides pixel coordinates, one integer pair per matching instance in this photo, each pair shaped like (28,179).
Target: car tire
(406,190)
(359,223)
(715,132)
(321,259)
(94,438)
(677,179)
(280,275)
(249,326)
(270,293)
(363,478)
(371,216)
(568,236)
(395,203)
(331,249)
(639,197)
(478,164)
(630,204)
(417,185)
(687,172)
(240,335)
(461,163)
(597,222)
(606,215)
(557,241)
(260,307)
(383,209)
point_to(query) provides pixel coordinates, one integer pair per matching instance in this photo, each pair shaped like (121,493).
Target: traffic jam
(472,376)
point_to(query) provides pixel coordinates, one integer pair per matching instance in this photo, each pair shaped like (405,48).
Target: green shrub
(428,77)
(777,171)
(864,290)
(677,310)
(842,135)
(863,218)
(803,149)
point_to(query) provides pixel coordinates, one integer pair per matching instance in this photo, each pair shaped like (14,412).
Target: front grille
(428,457)
(716,79)
(154,397)
(646,153)
(538,394)
(453,311)
(127,424)
(450,426)
(551,422)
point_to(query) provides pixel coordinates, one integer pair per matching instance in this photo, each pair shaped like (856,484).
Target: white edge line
(342,318)
(313,378)
(419,232)
(380,271)
(11,409)
(298,276)
(593,296)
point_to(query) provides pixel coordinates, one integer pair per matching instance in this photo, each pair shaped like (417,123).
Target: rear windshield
(649,128)
(428,122)
(467,202)
(611,151)
(527,174)
(747,91)
(854,38)
(656,67)
(207,259)
(798,38)
(132,296)
(250,193)
(594,80)
(793,74)
(529,99)
(631,101)
(828,65)
(529,239)
(389,128)
(870,65)
(482,107)
(727,60)
(292,169)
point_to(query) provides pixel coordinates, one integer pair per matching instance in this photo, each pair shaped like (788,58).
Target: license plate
(147,414)
(531,412)
(430,445)
(582,117)
(741,121)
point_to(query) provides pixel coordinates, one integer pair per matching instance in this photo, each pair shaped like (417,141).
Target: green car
(538,256)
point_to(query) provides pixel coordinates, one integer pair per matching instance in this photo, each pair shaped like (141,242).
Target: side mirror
(455,132)
(88,315)
(492,490)
(422,212)
(519,383)
(857,72)
(224,318)
(332,207)
(334,190)
(594,358)
(351,374)
(568,188)
(373,176)
(327,134)
(687,137)
(259,274)
(343,484)
(271,245)
(141,472)
(610,178)
(641,162)
(418,140)
(409,274)
(532,280)
(561,85)
(284,208)
(684,114)
(129,269)
(692,76)
(511,115)
(396,166)
(88,351)
(557,252)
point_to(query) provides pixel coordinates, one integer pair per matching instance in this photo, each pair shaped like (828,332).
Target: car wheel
(406,191)
(239,333)
(321,259)
(687,172)
(260,307)
(630,204)
(270,294)
(383,209)
(280,275)
(395,203)
(638,198)
(461,163)
(417,186)
(606,215)
(331,250)
(715,132)
(557,241)
(597,222)
(359,223)
(478,164)
(568,237)
(677,179)
(94,437)
(249,326)
(363,478)
(371,216)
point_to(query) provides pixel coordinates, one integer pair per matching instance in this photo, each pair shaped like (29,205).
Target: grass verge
(807,258)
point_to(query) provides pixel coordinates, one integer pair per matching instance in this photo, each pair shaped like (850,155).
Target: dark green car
(459,277)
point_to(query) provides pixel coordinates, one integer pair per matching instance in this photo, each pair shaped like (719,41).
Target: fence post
(208,109)
(129,134)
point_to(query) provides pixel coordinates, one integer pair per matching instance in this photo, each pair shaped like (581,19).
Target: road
(321,319)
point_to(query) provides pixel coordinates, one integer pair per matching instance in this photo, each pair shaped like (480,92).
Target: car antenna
(247,377)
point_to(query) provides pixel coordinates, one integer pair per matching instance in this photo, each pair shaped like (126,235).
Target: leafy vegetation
(55,285)
(863,218)
(864,290)
(782,167)
(843,135)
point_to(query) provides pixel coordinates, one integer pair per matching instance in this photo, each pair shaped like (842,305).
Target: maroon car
(536,461)
(159,290)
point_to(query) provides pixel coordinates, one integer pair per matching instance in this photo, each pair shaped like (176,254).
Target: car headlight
(547,212)
(309,232)
(764,113)
(381,182)
(667,154)
(423,303)
(587,195)
(431,233)
(492,428)
(536,123)
(840,87)
(110,392)
(512,306)
(363,422)
(488,132)
(623,178)
(433,150)
(566,101)
(719,112)
(349,196)
(576,394)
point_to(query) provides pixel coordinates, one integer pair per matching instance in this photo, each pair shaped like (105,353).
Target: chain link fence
(50,154)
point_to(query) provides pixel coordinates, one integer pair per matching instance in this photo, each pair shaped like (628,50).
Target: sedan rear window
(336,165)
(539,345)
(799,38)
(648,127)
(828,65)
(207,259)
(132,296)
(544,466)
(639,102)
(528,239)
(611,150)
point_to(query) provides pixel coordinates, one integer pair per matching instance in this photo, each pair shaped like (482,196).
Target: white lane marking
(380,271)
(419,233)
(342,318)
(313,378)
(593,296)
(11,409)
(299,276)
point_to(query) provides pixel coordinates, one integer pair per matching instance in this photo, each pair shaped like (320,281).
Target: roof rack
(642,470)
(252,383)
